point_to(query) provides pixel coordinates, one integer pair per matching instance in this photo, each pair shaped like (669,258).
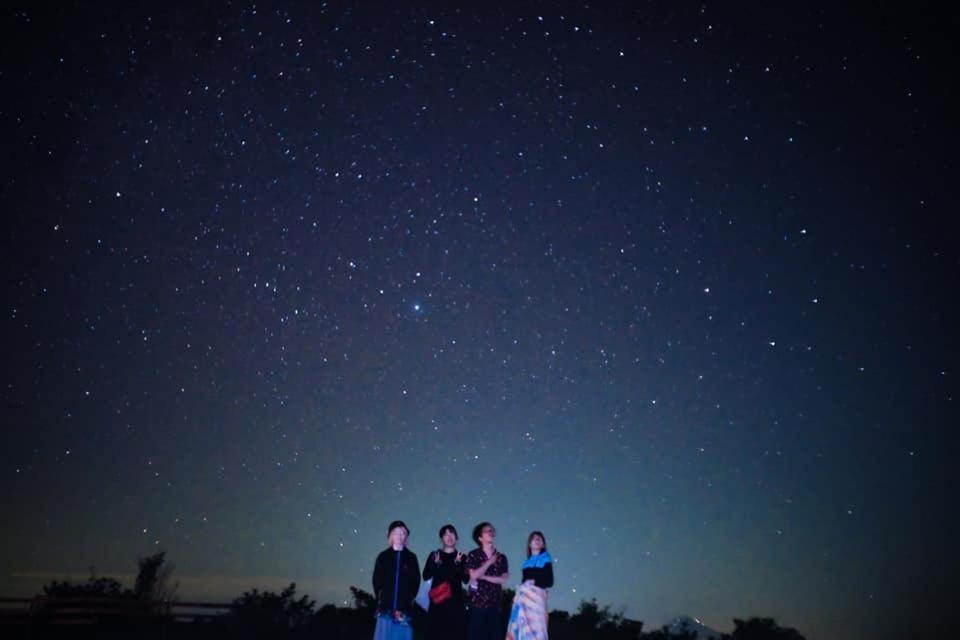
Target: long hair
(530,538)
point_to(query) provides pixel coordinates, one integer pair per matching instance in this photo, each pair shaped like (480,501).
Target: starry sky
(671,282)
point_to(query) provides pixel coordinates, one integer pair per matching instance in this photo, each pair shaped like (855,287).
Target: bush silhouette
(144,612)
(267,614)
(761,629)
(153,584)
(94,587)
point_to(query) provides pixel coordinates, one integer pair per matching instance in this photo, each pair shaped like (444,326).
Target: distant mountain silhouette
(682,624)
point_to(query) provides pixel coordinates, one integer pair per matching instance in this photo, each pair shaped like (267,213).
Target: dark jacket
(385,577)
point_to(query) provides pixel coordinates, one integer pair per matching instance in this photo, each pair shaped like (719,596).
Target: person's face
(536,545)
(398,537)
(449,538)
(488,534)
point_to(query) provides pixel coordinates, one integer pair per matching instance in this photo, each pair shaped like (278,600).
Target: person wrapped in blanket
(396,578)
(528,616)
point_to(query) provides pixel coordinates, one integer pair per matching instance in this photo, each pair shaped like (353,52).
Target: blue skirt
(390,629)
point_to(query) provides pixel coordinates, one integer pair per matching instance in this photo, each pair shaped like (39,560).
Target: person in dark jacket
(396,579)
(446,620)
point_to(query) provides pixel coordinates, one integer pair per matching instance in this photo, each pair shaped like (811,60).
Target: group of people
(455,612)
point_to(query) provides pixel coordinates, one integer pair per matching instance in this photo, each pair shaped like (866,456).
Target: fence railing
(95,610)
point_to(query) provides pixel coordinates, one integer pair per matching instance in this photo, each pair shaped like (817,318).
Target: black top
(385,576)
(448,570)
(542,577)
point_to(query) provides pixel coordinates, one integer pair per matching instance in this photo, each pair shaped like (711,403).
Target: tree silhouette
(589,618)
(363,601)
(761,629)
(345,623)
(94,587)
(268,614)
(664,633)
(153,584)
(559,617)
(594,622)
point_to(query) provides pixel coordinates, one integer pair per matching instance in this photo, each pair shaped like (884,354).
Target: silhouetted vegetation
(94,587)
(144,612)
(664,633)
(593,621)
(761,629)
(103,607)
(153,583)
(265,614)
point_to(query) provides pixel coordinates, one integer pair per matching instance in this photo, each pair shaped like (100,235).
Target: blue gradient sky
(669,283)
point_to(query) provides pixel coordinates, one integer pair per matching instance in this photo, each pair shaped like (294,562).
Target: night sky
(673,282)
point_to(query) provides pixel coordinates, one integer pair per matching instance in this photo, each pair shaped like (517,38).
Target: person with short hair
(528,616)
(487,572)
(446,619)
(396,578)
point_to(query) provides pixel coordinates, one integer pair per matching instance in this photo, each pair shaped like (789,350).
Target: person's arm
(413,579)
(477,573)
(547,577)
(377,578)
(430,565)
(504,577)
